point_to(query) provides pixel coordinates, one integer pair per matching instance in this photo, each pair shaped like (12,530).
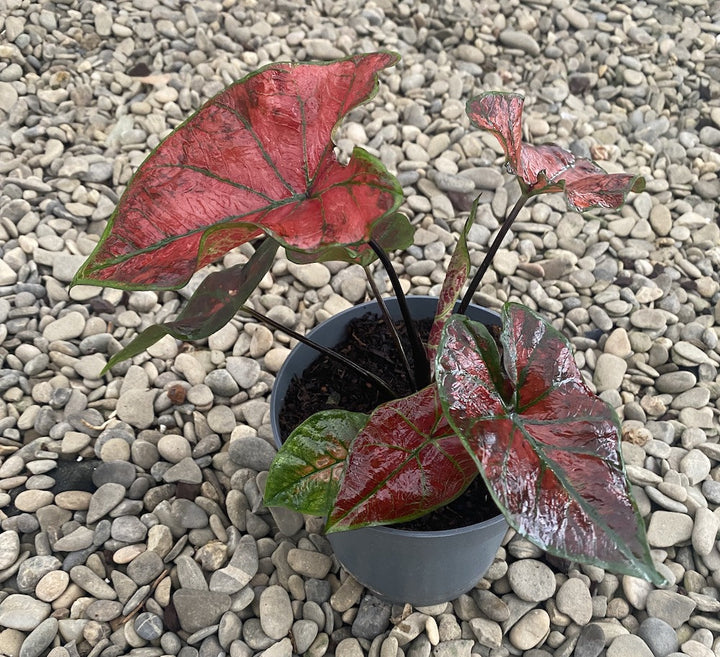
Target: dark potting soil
(327,384)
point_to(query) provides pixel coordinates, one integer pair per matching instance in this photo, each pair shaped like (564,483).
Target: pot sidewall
(421,568)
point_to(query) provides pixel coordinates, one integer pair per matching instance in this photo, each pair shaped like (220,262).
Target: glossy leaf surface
(457,273)
(548,168)
(257,158)
(405,462)
(305,473)
(215,302)
(546,445)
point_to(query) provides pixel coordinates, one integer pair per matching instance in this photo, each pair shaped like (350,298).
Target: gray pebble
(531,580)
(659,636)
(40,638)
(199,609)
(148,626)
(23,612)
(276,615)
(372,619)
(252,452)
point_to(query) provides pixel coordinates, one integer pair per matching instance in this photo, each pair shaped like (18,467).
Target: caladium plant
(257,163)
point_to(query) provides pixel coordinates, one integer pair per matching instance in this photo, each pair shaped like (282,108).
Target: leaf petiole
(420,359)
(487,260)
(375,380)
(391,327)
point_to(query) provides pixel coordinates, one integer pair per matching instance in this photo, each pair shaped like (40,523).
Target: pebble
(531,580)
(22,612)
(530,630)
(104,500)
(669,528)
(590,641)
(251,452)
(627,645)
(9,548)
(372,619)
(199,609)
(673,608)
(659,636)
(609,372)
(521,41)
(573,598)
(40,638)
(276,615)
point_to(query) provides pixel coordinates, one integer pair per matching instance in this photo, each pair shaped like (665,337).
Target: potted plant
(256,163)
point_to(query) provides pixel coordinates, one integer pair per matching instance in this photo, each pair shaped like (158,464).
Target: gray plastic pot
(419,567)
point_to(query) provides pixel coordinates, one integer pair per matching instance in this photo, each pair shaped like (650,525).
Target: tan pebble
(30,501)
(11,641)
(68,597)
(128,553)
(115,449)
(52,585)
(431,629)
(12,482)
(162,592)
(73,500)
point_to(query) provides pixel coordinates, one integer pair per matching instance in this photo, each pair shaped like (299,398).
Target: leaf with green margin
(213,304)
(393,232)
(548,448)
(457,273)
(305,473)
(256,159)
(406,462)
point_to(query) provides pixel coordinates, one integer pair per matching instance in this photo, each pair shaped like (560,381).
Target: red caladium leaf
(305,473)
(457,273)
(406,462)
(549,168)
(257,158)
(547,447)
(214,303)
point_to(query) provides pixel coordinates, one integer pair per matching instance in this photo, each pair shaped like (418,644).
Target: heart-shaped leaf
(548,168)
(257,158)
(306,470)
(406,462)
(546,445)
(214,304)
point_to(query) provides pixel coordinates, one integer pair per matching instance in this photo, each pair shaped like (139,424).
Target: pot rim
(429,534)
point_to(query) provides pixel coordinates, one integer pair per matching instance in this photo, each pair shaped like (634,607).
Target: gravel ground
(157,542)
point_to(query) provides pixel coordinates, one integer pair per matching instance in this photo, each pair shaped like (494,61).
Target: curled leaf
(548,168)
(218,297)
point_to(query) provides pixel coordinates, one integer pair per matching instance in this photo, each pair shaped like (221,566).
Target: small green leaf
(305,473)
(213,304)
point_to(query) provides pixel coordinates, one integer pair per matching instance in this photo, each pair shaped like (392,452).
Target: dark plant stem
(420,359)
(369,376)
(391,327)
(487,260)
